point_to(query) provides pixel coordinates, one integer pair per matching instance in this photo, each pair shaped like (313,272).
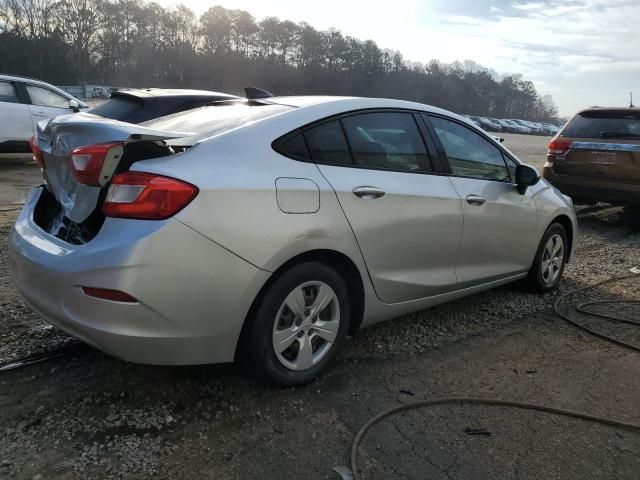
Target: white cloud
(568,49)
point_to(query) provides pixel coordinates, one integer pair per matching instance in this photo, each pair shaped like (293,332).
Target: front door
(499,236)
(45,103)
(407,220)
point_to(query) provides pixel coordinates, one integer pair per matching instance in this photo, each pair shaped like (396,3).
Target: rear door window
(327,144)
(293,145)
(8,93)
(386,140)
(604,125)
(470,154)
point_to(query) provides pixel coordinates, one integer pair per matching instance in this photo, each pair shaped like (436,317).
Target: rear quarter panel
(237,205)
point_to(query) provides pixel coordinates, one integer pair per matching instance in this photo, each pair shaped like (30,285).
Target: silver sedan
(268,230)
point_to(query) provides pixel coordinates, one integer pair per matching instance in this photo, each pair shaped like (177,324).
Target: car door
(45,103)
(406,217)
(499,236)
(15,128)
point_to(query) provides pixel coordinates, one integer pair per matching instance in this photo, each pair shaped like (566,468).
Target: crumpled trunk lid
(59,136)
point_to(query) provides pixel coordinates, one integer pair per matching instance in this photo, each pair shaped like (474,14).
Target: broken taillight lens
(87,162)
(147,196)
(37,153)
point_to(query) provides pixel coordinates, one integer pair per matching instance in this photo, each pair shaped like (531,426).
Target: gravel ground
(87,415)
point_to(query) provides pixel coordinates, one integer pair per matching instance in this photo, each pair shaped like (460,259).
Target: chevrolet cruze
(267,230)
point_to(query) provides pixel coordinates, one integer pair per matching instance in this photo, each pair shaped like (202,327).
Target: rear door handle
(475,200)
(368,193)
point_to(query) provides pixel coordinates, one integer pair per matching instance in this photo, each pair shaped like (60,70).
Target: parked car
(266,231)
(551,129)
(519,128)
(596,156)
(25,101)
(506,127)
(533,130)
(490,124)
(474,120)
(486,124)
(137,106)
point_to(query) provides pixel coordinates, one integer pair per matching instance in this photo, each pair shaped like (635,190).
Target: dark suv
(596,156)
(140,105)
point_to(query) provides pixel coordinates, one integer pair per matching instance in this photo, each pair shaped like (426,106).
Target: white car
(23,103)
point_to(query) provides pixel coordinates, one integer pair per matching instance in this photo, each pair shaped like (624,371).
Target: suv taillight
(147,196)
(87,162)
(559,146)
(37,153)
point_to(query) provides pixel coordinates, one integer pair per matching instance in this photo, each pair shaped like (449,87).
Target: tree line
(139,44)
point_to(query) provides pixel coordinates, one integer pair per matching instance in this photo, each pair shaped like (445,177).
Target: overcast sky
(583,52)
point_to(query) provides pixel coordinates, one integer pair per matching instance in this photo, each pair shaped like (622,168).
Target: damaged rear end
(85,162)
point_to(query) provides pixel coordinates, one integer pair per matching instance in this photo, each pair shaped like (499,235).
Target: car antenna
(631,105)
(253,93)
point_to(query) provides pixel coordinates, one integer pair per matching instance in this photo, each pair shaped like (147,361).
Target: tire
(544,276)
(312,333)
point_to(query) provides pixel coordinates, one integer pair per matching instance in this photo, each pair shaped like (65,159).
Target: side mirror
(74,105)
(526,176)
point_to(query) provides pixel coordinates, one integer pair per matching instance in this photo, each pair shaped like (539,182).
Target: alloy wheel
(552,259)
(306,325)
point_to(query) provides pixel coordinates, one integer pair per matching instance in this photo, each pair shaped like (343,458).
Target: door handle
(475,200)
(368,193)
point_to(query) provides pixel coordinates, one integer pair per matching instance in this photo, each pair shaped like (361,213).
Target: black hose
(477,401)
(39,357)
(580,308)
(522,405)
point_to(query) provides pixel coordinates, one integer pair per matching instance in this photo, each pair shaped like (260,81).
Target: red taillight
(108,294)
(37,153)
(147,196)
(559,146)
(87,162)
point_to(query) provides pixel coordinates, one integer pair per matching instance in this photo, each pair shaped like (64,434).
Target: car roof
(35,81)
(170,92)
(346,104)
(620,110)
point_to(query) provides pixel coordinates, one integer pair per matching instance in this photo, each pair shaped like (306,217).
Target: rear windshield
(604,125)
(117,108)
(215,119)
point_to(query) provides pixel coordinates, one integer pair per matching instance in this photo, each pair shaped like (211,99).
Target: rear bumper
(581,188)
(193,295)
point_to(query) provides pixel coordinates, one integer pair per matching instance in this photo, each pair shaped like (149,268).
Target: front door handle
(475,200)
(368,193)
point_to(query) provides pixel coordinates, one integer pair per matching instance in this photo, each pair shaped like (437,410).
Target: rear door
(605,145)
(45,103)
(15,128)
(407,218)
(499,237)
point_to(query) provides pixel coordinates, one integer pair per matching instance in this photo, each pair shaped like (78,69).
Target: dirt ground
(87,415)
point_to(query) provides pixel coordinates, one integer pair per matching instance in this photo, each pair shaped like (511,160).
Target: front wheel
(298,325)
(551,257)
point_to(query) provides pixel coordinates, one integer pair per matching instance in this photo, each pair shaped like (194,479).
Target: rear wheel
(298,325)
(548,266)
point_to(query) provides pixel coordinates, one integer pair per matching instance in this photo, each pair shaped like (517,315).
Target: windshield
(215,119)
(604,125)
